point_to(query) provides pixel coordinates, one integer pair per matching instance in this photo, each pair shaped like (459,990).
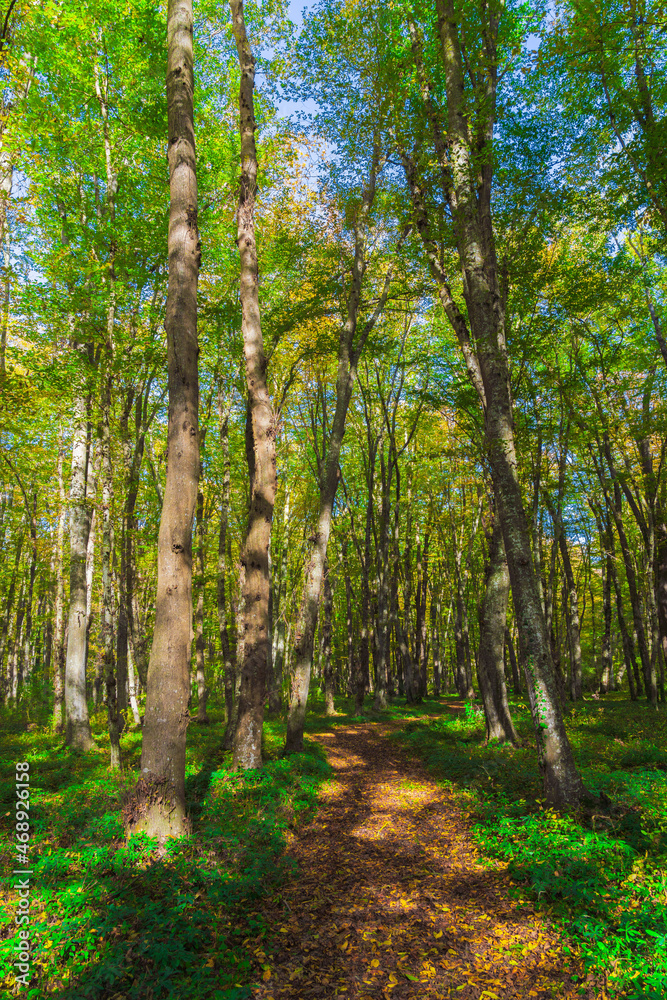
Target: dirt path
(392,901)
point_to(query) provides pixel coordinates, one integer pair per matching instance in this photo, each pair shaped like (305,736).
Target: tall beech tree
(157,806)
(462,136)
(260,433)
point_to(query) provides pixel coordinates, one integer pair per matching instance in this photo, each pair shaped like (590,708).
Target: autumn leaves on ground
(393,899)
(398,856)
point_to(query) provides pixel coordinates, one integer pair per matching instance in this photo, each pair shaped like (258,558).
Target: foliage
(599,873)
(110,917)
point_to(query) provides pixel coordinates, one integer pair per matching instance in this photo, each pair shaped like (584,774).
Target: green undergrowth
(120,920)
(601,872)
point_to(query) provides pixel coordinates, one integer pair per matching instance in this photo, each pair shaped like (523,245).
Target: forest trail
(390,898)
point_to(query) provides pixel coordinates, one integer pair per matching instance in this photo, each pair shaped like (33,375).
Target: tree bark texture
(59,636)
(77,725)
(200,652)
(260,432)
(158,804)
(492,623)
(469,196)
(228,663)
(327,667)
(276,688)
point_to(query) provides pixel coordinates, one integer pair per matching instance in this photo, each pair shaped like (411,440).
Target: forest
(333,499)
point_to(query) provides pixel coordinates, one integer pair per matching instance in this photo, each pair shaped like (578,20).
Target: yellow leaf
(375,963)
(266,974)
(210,963)
(438,934)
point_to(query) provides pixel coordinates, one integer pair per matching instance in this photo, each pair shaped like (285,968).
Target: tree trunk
(327,670)
(77,726)
(382,621)
(357,683)
(200,651)
(276,690)
(260,433)
(648,669)
(435,642)
(58,639)
(492,624)
(605,659)
(9,607)
(236,658)
(229,665)
(350,345)
(132,686)
(364,642)
(470,200)
(114,716)
(158,804)
(421,626)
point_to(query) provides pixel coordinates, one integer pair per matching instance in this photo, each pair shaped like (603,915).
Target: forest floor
(397,856)
(391,898)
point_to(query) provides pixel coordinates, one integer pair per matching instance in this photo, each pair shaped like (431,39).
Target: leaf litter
(390,898)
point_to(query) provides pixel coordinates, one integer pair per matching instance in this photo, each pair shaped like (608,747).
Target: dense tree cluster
(373,403)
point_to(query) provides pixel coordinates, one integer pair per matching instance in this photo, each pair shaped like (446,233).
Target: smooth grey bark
(77,725)
(260,432)
(157,806)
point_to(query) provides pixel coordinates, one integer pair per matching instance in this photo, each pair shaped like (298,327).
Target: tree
(158,803)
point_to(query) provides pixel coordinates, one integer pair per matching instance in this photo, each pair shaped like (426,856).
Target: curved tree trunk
(158,803)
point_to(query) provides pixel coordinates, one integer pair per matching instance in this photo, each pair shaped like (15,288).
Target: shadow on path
(391,899)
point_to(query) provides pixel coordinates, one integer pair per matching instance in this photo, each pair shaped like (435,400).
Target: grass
(116,921)
(110,919)
(601,874)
